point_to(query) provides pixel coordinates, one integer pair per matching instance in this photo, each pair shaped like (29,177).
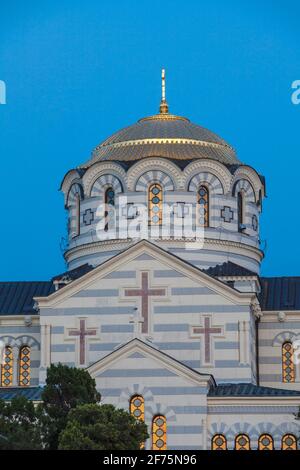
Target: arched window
(203,206)
(159,433)
(289,442)
(240,211)
(219,442)
(137,407)
(24,367)
(77,215)
(242,442)
(288,367)
(7,367)
(109,199)
(155,202)
(265,442)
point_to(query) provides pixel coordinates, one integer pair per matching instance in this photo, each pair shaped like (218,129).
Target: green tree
(65,389)
(102,427)
(19,425)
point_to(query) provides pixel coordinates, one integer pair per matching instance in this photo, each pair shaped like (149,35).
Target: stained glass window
(288,367)
(7,367)
(137,407)
(159,433)
(219,442)
(265,442)
(289,442)
(203,206)
(155,201)
(109,203)
(240,211)
(24,367)
(242,442)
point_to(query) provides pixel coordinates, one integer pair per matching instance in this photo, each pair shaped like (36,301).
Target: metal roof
(280,293)
(75,273)
(16,298)
(228,269)
(31,393)
(249,390)
(164,135)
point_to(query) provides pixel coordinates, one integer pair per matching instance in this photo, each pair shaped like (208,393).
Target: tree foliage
(102,427)
(19,425)
(65,389)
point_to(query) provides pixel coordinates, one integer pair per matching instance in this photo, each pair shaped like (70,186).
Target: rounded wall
(232,231)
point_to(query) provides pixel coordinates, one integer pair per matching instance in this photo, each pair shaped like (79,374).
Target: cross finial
(163,108)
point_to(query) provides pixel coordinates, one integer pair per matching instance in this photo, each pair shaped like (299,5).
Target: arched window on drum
(155,202)
(203,206)
(109,208)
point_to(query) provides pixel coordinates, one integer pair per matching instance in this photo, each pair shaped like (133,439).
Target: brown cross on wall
(82,333)
(207,331)
(145,292)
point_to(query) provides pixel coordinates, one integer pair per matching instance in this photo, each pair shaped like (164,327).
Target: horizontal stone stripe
(257,409)
(186,410)
(34,381)
(181,447)
(117,328)
(171,327)
(98,293)
(19,329)
(121,275)
(265,342)
(88,311)
(231,326)
(179,345)
(35,364)
(116,392)
(184,429)
(103,346)
(192,364)
(226,345)
(137,373)
(271,378)
(287,325)
(191,291)
(269,360)
(200,309)
(57,329)
(230,380)
(230,363)
(167,273)
(63,347)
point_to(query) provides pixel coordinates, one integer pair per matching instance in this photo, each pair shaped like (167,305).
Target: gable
(113,277)
(137,359)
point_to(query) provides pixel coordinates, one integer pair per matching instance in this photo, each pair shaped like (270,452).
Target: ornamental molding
(210,166)
(154,164)
(100,169)
(249,174)
(121,244)
(71,177)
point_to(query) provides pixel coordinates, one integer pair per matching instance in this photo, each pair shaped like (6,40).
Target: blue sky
(76,71)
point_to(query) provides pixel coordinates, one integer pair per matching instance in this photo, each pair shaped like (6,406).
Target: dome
(163,135)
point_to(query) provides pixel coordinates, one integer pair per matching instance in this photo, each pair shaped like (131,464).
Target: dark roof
(249,390)
(228,269)
(75,273)
(17,297)
(280,293)
(32,393)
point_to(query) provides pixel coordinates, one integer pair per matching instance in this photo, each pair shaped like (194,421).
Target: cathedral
(162,301)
